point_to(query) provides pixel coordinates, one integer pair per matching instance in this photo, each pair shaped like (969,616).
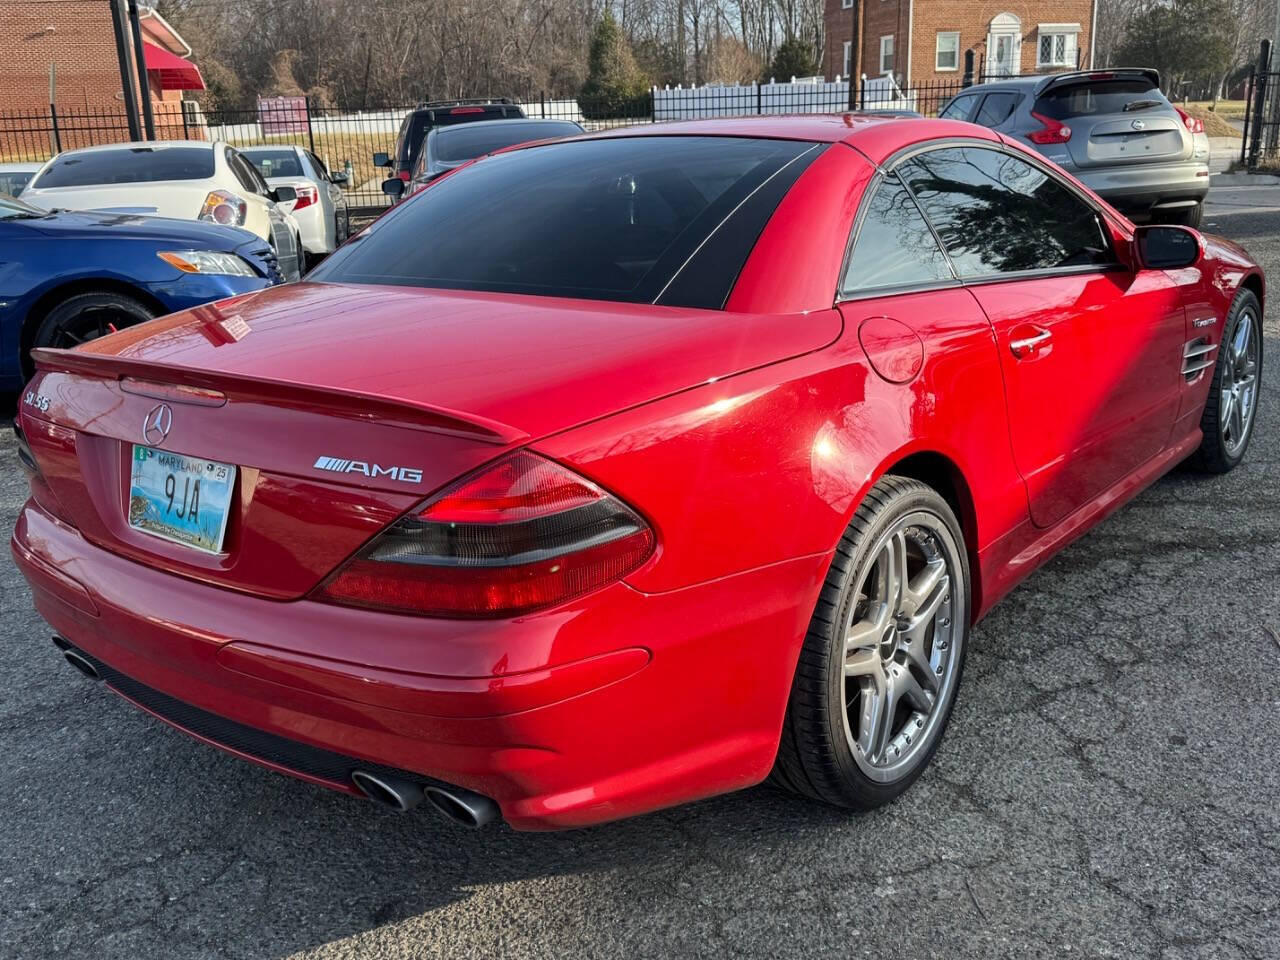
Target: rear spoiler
(334,401)
(1080,76)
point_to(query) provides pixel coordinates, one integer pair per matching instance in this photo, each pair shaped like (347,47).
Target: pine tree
(615,86)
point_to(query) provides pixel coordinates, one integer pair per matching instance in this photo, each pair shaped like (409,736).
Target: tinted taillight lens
(521,534)
(1053,131)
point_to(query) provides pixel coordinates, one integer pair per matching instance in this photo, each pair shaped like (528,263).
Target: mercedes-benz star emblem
(1139,125)
(156,427)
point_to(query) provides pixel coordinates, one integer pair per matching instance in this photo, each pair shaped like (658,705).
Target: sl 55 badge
(37,400)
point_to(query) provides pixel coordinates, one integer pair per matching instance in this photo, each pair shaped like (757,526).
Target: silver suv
(1113,129)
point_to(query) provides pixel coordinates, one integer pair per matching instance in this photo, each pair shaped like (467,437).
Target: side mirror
(381,160)
(1166,247)
(284,194)
(393,188)
(339,177)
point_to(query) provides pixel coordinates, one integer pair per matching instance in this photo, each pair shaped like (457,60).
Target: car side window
(995,109)
(894,246)
(318,165)
(246,173)
(959,108)
(997,213)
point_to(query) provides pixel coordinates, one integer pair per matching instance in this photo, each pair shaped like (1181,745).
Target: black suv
(439,113)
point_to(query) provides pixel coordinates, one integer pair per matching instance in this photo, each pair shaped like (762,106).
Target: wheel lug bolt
(945,621)
(939,668)
(919,721)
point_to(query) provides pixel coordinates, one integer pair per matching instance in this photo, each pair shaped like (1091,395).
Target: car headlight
(207,261)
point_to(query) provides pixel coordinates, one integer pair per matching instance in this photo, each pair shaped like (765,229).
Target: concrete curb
(1243,180)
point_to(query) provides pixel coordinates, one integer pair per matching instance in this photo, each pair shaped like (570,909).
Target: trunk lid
(1116,117)
(343,407)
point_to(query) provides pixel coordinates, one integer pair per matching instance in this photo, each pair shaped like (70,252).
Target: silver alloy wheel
(1239,384)
(902,646)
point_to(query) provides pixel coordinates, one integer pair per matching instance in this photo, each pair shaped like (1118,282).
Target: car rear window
(1095,97)
(465,142)
(275,163)
(614,219)
(128,165)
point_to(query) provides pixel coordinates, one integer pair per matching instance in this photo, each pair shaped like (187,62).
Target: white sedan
(321,208)
(184,179)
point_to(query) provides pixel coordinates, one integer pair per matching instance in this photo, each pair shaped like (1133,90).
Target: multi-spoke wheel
(1232,404)
(878,672)
(86,317)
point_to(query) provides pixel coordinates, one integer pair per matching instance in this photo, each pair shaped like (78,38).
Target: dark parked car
(72,277)
(441,113)
(1113,129)
(450,147)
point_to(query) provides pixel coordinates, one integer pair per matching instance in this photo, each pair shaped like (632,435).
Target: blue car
(66,278)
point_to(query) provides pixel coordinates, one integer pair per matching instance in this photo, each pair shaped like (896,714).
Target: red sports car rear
(609,474)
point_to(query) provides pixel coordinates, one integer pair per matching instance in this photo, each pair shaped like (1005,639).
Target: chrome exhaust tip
(399,795)
(76,659)
(463,807)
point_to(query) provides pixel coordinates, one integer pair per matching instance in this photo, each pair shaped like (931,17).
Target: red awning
(168,71)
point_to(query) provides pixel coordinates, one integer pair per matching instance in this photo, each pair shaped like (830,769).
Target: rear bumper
(1144,186)
(613,706)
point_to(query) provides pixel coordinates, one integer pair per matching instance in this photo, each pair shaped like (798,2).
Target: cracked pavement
(1107,788)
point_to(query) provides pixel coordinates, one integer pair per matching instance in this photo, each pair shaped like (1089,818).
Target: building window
(1057,44)
(846,4)
(848,59)
(947,54)
(886,54)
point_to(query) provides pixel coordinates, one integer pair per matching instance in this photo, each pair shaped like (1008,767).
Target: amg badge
(339,465)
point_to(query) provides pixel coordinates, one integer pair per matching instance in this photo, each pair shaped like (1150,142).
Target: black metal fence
(1261,144)
(347,140)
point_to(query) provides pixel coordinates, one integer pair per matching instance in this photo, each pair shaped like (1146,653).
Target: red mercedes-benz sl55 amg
(611,473)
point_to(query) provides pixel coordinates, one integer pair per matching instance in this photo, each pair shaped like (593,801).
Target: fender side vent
(1197,357)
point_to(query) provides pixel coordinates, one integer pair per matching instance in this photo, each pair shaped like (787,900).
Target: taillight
(467,110)
(224,207)
(1193,124)
(1053,131)
(521,534)
(404,175)
(306,197)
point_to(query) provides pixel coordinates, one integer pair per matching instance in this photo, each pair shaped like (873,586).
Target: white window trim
(937,50)
(846,4)
(848,59)
(883,68)
(1071,49)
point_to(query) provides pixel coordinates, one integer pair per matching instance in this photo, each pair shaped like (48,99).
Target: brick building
(75,43)
(923,41)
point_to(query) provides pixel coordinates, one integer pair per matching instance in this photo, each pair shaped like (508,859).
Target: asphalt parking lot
(1108,788)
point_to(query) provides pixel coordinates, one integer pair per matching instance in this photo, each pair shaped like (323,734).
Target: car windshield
(11,209)
(127,165)
(1094,97)
(275,163)
(611,219)
(456,144)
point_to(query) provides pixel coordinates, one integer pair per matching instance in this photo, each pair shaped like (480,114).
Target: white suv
(183,179)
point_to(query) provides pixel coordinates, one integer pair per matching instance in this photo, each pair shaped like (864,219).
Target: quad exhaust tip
(73,657)
(457,805)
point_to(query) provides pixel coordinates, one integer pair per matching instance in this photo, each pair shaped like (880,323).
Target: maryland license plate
(178,498)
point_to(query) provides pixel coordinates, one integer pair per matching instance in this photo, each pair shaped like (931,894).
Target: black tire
(87,316)
(816,754)
(1217,452)
(1181,216)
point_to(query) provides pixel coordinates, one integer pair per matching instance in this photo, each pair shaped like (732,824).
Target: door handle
(1028,346)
